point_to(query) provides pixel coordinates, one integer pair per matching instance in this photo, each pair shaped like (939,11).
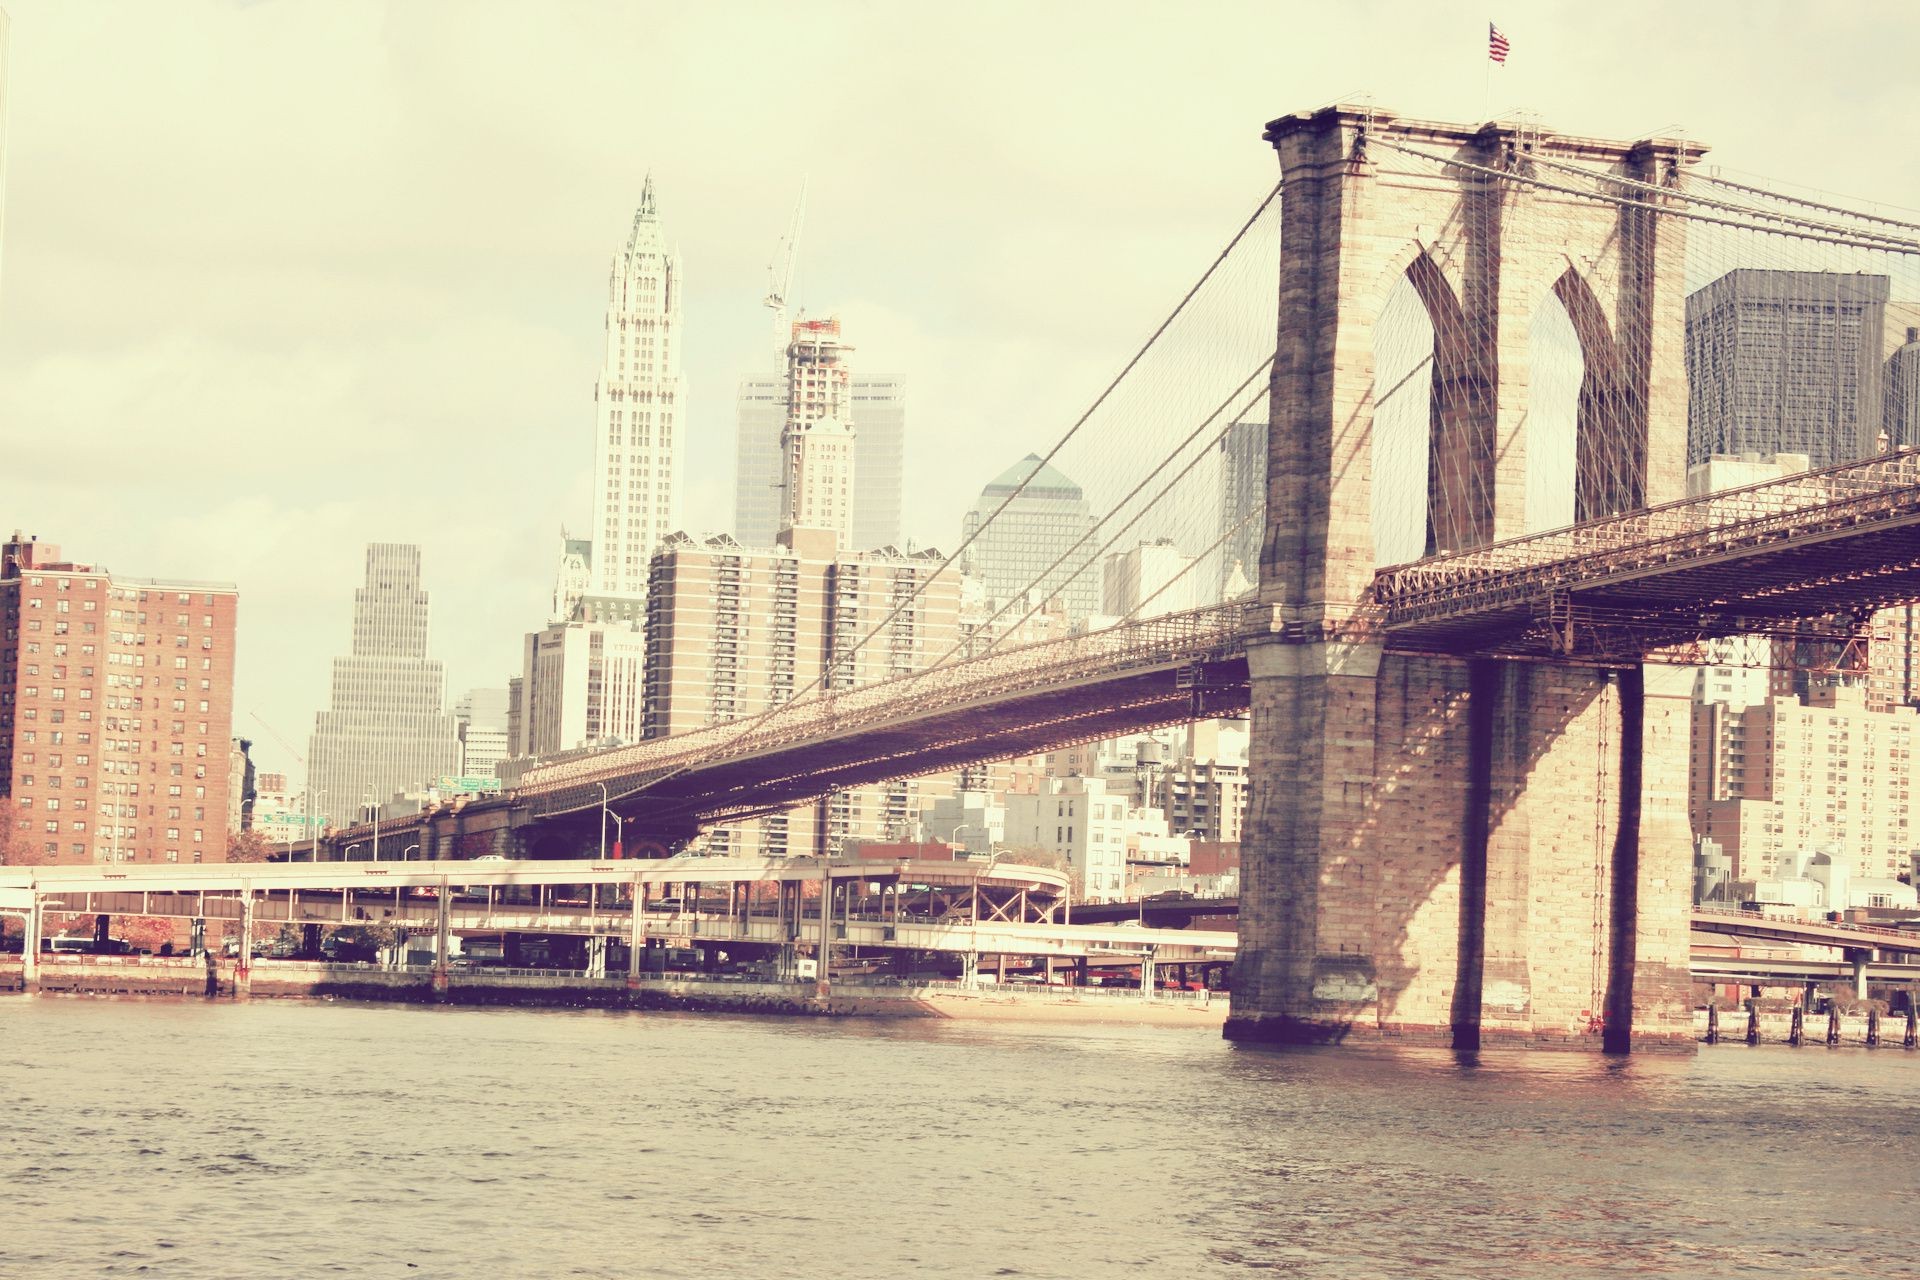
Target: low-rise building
(1081,821)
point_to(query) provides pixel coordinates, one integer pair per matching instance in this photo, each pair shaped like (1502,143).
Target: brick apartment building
(116,712)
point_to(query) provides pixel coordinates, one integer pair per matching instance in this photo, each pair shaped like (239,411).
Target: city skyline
(353,347)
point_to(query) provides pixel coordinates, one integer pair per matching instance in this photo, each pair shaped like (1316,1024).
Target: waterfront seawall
(114,976)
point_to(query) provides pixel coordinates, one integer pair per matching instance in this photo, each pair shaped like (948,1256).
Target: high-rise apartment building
(816,442)
(1786,362)
(580,685)
(734,631)
(640,415)
(1041,550)
(385,732)
(1791,775)
(875,410)
(482,717)
(116,712)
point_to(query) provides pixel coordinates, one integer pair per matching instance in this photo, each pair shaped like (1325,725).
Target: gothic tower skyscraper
(640,416)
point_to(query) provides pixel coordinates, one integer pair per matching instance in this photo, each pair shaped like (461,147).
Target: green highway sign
(470,784)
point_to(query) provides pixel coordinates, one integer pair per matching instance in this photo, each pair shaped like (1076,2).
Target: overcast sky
(282,278)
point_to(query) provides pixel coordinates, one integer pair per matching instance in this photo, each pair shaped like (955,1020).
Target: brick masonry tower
(1448,848)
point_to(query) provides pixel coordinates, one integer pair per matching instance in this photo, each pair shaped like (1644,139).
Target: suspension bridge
(1435,537)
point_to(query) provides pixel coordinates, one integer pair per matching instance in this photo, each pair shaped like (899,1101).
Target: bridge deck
(1037,697)
(1844,540)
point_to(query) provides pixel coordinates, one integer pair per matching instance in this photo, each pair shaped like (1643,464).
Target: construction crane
(277,738)
(780,276)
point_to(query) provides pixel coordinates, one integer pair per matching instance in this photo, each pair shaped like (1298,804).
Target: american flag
(1496,44)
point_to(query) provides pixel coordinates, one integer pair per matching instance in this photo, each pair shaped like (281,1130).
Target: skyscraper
(816,443)
(875,410)
(1046,530)
(385,732)
(640,410)
(1243,503)
(1785,362)
(1903,392)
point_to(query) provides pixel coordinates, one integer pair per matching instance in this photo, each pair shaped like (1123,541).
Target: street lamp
(409,849)
(956,836)
(619,831)
(348,855)
(603,820)
(312,826)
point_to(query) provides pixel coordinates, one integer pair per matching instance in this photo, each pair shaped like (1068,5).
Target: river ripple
(191,1139)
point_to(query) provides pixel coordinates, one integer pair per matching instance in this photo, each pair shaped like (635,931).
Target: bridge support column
(597,956)
(823,982)
(1858,958)
(636,932)
(243,957)
(30,944)
(443,940)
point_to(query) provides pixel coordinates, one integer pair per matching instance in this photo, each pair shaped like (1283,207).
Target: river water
(195,1139)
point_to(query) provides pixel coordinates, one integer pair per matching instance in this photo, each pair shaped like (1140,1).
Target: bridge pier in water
(1445,846)
(1465,852)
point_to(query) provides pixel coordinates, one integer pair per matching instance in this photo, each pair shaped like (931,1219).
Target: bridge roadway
(1818,550)
(1838,541)
(1762,927)
(967,908)
(1016,702)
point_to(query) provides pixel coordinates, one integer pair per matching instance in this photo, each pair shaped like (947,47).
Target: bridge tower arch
(1445,846)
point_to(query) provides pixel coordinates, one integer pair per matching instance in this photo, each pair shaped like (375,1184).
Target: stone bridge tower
(1444,847)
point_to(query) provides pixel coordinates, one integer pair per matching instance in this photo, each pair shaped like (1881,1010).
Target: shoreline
(148,978)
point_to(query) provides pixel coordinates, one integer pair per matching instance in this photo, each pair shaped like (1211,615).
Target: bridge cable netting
(1147,505)
(1525,377)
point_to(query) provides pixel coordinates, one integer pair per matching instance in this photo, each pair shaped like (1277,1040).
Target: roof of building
(1045,480)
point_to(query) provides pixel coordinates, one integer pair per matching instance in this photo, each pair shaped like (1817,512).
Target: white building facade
(875,410)
(1081,820)
(639,412)
(581,684)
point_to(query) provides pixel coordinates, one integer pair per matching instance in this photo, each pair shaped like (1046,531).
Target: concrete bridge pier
(636,931)
(30,946)
(1859,958)
(243,958)
(443,940)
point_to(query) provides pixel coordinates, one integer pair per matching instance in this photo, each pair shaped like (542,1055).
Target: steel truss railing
(1192,636)
(1540,567)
